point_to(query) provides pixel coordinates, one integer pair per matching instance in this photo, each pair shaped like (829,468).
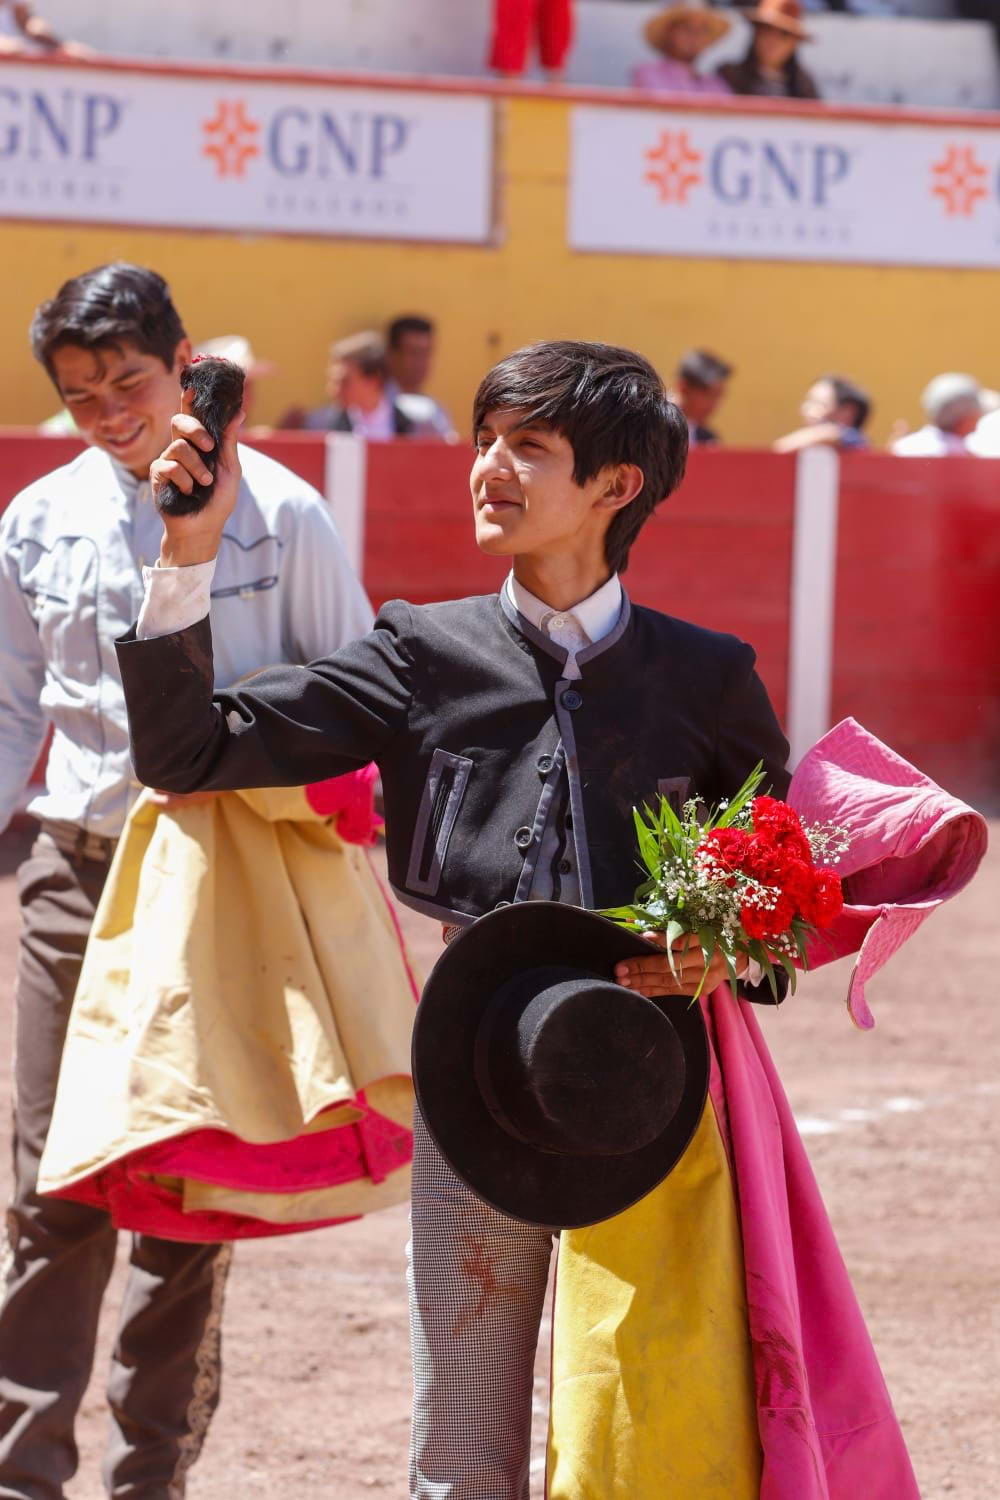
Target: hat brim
(778,23)
(526,1183)
(658,29)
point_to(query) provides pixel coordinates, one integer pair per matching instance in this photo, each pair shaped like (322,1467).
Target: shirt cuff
(754,974)
(175,598)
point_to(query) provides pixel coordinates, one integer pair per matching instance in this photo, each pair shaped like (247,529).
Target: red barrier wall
(917,627)
(733,505)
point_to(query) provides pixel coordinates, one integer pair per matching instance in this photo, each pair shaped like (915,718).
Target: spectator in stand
(954,405)
(22,31)
(680,34)
(834,413)
(984,442)
(771,68)
(515,22)
(410,342)
(356,379)
(699,387)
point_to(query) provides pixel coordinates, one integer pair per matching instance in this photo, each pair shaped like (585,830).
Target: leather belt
(79,843)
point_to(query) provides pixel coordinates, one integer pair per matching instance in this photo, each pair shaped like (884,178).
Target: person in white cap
(984,441)
(953,403)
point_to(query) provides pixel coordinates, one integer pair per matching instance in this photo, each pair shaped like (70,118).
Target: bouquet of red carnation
(749,879)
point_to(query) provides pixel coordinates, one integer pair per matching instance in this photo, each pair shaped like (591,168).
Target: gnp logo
(349,144)
(56,127)
(741,172)
(960,180)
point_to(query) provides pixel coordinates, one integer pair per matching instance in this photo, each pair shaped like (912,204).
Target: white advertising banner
(779,187)
(110,146)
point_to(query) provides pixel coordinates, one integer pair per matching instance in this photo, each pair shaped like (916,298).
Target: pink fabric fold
(912,847)
(372,1147)
(827,1427)
(350,801)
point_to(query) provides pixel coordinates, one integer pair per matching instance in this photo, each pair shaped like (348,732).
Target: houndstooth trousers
(477,1284)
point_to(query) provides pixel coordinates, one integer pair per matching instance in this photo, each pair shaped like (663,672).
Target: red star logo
(230,138)
(959,180)
(674,168)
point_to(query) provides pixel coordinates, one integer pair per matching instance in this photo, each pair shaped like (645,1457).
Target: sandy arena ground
(901,1125)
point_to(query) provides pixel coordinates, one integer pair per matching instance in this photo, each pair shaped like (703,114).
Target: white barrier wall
(900,60)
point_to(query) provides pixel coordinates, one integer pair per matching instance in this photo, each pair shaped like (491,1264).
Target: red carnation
(798,881)
(727,846)
(781,824)
(754,921)
(826,900)
(764,859)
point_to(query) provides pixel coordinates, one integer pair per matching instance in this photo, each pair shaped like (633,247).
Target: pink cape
(826,1423)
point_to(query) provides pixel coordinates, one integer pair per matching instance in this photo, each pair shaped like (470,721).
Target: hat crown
(574,1065)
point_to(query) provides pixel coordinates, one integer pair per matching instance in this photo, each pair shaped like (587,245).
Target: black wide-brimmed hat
(557,1095)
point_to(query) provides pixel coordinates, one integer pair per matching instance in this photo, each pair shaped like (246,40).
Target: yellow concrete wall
(780,324)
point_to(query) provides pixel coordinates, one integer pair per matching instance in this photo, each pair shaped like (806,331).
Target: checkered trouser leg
(477,1286)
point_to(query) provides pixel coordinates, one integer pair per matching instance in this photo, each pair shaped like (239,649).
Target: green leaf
(738,802)
(670,824)
(649,849)
(734,978)
(768,967)
(790,970)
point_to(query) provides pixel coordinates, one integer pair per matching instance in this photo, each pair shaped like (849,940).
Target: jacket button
(564,867)
(545,764)
(524,838)
(571,699)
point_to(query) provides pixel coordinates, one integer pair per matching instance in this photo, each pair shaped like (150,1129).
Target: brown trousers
(164,1381)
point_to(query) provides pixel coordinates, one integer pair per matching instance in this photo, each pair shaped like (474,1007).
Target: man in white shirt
(74,548)
(954,405)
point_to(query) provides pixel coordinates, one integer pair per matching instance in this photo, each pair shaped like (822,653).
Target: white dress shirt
(75,548)
(556,877)
(985,441)
(575,629)
(929,442)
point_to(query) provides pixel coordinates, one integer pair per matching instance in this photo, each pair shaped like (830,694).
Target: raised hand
(194,538)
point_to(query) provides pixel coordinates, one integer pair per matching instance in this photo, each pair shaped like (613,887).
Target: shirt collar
(597,615)
(127,482)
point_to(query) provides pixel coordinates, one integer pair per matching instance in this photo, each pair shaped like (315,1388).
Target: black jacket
(464,708)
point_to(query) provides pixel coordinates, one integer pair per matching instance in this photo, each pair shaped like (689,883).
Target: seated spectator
(517,22)
(356,379)
(410,342)
(771,67)
(834,412)
(954,405)
(681,34)
(984,442)
(22,31)
(698,389)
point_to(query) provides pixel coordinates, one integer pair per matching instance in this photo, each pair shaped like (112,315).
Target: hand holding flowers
(747,883)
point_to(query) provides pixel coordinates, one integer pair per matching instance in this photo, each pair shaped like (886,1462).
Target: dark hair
(409,323)
(849,394)
(105,307)
(746,76)
(700,368)
(611,406)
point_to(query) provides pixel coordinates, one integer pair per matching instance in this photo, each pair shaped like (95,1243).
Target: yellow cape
(244,973)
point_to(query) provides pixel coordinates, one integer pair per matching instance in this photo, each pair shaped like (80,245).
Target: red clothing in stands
(514,23)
